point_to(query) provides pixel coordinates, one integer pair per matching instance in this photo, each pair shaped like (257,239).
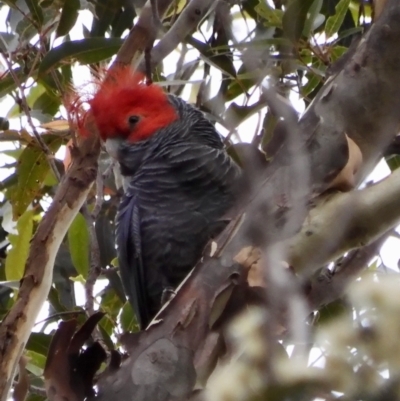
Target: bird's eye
(132,120)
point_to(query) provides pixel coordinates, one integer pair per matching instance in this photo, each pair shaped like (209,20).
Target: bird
(179,182)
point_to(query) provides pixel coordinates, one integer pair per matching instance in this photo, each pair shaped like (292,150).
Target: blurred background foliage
(47,46)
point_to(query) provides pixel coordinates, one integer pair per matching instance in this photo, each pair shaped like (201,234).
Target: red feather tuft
(74,104)
(123,94)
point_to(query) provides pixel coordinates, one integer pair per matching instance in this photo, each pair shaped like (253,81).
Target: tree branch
(187,21)
(142,34)
(327,287)
(362,99)
(340,222)
(35,285)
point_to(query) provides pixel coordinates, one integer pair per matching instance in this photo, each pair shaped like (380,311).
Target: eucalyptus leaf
(334,22)
(18,254)
(68,18)
(85,51)
(79,244)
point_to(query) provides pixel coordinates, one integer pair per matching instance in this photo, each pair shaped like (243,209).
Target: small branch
(187,21)
(329,286)
(142,34)
(340,222)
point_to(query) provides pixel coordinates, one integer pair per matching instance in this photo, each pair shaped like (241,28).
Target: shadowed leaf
(18,254)
(334,22)
(39,342)
(31,170)
(86,51)
(294,18)
(68,17)
(36,10)
(78,239)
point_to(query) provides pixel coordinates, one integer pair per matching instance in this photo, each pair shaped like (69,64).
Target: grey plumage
(180,182)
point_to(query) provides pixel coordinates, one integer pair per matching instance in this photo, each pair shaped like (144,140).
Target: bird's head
(125,108)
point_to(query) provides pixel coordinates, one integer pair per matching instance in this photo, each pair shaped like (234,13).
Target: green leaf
(208,55)
(50,180)
(105,12)
(331,311)
(294,18)
(54,300)
(69,15)
(31,98)
(39,342)
(111,303)
(18,254)
(47,104)
(128,319)
(272,16)
(337,52)
(269,125)
(348,32)
(36,362)
(393,162)
(105,335)
(8,41)
(52,82)
(334,22)
(123,21)
(315,76)
(32,169)
(7,83)
(79,243)
(86,51)
(36,10)
(312,15)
